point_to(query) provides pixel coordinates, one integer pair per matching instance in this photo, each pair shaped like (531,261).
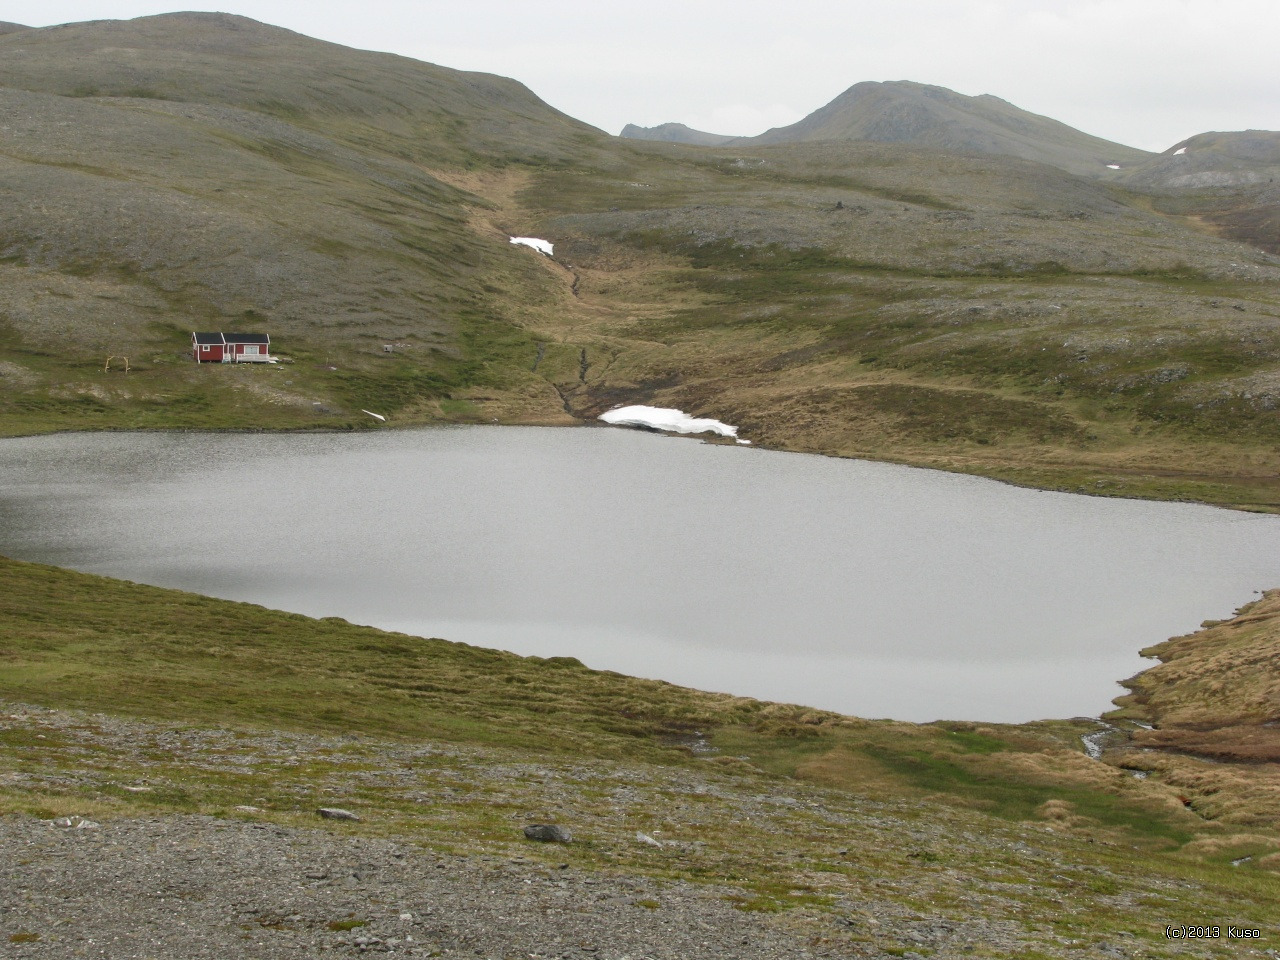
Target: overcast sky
(1146,73)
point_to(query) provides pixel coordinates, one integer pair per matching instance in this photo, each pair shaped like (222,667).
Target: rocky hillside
(203,171)
(1227,180)
(921,300)
(229,61)
(1212,160)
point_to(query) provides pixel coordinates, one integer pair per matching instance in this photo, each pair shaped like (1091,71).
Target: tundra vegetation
(852,831)
(913,300)
(1113,332)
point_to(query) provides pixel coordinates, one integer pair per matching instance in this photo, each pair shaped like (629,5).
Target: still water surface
(872,589)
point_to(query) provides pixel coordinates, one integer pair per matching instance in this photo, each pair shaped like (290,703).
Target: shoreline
(838,648)
(996,475)
(1101,713)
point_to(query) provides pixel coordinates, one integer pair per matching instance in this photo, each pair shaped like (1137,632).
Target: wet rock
(75,823)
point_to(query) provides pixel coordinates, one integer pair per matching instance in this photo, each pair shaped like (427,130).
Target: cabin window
(204,348)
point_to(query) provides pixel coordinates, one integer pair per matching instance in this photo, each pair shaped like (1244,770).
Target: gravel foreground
(175,885)
(435,861)
(186,887)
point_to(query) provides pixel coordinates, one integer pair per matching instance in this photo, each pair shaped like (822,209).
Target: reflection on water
(868,588)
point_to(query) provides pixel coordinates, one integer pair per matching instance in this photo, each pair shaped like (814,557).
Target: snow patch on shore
(669,419)
(542,246)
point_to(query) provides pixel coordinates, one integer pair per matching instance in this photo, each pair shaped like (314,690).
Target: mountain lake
(868,588)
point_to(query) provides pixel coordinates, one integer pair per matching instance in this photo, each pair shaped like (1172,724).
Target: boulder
(336,813)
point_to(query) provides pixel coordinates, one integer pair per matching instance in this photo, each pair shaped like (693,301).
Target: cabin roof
(208,338)
(247,338)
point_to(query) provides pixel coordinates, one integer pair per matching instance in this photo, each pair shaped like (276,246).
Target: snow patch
(1180,151)
(666,418)
(1113,166)
(542,246)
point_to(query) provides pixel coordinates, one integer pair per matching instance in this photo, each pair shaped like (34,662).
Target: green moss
(1018,800)
(349,924)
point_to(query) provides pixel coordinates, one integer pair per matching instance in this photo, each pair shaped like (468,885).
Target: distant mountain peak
(905,111)
(674,133)
(927,115)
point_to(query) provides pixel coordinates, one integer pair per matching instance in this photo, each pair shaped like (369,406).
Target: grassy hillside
(208,172)
(1007,318)
(983,314)
(870,836)
(385,103)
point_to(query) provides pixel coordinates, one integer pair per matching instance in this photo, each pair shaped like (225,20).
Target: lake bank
(1197,472)
(169,715)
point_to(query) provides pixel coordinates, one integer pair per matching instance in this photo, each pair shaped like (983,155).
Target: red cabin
(208,347)
(231,347)
(248,347)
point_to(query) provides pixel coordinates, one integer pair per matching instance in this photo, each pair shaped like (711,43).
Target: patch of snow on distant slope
(1113,166)
(1180,151)
(542,246)
(666,418)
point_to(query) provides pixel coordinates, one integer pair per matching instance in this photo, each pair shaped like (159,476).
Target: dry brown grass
(1223,680)
(1209,711)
